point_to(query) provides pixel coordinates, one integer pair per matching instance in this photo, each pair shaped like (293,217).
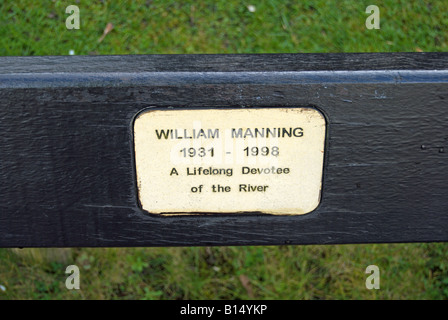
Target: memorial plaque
(215,161)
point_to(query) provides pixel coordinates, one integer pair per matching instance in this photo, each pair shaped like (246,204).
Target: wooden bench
(67,169)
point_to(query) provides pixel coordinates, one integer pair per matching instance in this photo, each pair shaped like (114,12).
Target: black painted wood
(66,166)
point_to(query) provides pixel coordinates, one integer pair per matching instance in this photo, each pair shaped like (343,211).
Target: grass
(408,271)
(223,26)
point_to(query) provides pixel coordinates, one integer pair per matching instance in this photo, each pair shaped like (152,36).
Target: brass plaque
(266,160)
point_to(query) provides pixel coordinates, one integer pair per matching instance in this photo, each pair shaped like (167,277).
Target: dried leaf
(246,284)
(108,29)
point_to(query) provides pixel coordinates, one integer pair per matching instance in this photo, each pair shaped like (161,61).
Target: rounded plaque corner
(321,112)
(137,116)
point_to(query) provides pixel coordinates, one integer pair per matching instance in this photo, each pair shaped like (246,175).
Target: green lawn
(408,271)
(223,26)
